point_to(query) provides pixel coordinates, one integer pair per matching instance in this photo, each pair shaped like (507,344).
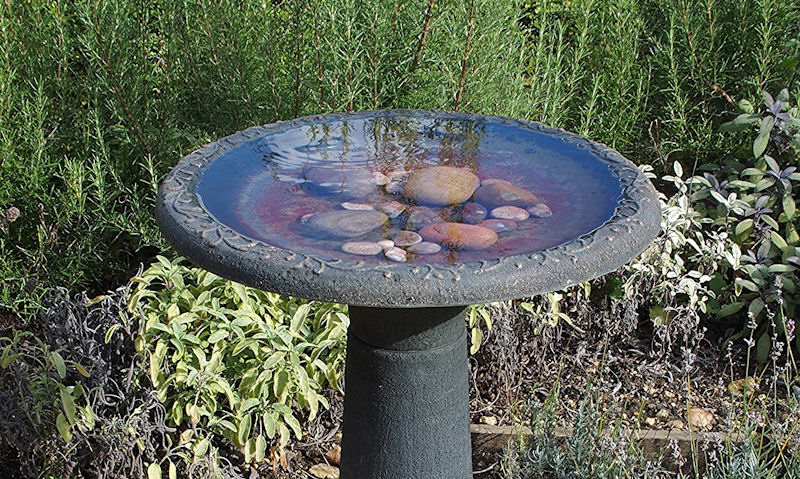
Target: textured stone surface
(459,235)
(441,185)
(199,236)
(503,193)
(344,223)
(416,424)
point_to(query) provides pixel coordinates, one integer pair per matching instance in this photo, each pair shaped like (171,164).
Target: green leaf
(218,335)
(63,427)
(789,206)
(261,448)
(781,268)
(299,317)
(244,429)
(746,106)
(249,404)
(281,386)
(58,361)
(778,240)
(8,360)
(200,448)
(475,343)
(743,226)
(269,424)
(81,370)
(154,471)
(110,332)
(173,471)
(68,403)
(292,422)
(730,309)
(760,145)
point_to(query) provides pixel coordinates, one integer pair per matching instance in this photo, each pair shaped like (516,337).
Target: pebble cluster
(430,208)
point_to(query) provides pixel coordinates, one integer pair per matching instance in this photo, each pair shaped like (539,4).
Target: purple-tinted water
(266,188)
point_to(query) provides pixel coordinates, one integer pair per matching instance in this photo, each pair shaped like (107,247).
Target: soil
(629,380)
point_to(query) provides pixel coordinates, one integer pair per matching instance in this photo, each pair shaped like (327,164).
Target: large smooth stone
(503,193)
(343,183)
(344,223)
(459,235)
(441,185)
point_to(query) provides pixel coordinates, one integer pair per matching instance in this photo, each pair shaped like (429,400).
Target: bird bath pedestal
(407,216)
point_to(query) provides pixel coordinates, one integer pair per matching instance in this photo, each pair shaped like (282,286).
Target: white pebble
(357,206)
(396,254)
(540,211)
(392,208)
(364,248)
(425,247)
(407,238)
(379,178)
(386,244)
(510,213)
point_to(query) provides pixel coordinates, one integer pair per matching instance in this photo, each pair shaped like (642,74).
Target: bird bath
(407,216)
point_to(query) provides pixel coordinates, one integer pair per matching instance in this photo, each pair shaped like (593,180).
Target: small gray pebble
(425,247)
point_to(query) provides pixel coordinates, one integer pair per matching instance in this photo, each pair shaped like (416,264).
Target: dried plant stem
(465,59)
(423,36)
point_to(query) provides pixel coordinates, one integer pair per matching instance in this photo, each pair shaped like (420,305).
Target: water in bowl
(373,187)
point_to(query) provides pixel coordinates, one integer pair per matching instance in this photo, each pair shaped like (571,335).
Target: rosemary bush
(99,99)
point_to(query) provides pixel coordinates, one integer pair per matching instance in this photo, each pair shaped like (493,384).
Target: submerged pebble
(473,213)
(441,185)
(459,235)
(344,223)
(425,247)
(379,178)
(386,244)
(540,211)
(499,226)
(364,248)
(357,206)
(391,208)
(396,254)
(407,238)
(510,213)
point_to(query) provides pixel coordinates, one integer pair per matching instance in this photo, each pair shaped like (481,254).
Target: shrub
(73,402)
(228,361)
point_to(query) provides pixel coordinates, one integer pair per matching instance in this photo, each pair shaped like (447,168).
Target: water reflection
(409,189)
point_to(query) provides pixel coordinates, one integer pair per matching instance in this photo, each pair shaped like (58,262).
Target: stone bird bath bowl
(407,216)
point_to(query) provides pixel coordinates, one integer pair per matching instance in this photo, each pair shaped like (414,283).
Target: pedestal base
(406,407)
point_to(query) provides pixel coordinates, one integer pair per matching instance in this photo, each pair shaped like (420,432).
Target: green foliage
(597,447)
(51,394)
(231,361)
(99,99)
(746,250)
